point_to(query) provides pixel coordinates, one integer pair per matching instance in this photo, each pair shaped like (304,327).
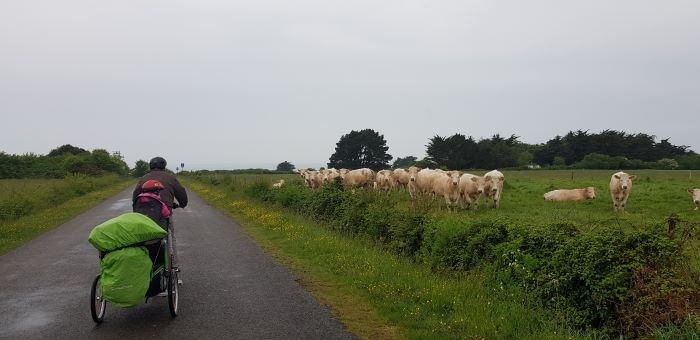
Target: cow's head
(696,195)
(590,192)
(625,179)
(480,183)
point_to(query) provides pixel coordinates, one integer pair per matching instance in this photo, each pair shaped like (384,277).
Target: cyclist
(172,190)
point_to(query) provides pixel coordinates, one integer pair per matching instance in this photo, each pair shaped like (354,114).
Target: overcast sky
(234,84)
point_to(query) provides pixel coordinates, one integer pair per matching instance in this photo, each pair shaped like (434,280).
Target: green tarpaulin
(125,276)
(125,230)
(125,273)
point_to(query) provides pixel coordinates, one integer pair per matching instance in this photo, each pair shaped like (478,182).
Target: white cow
(471,187)
(278,184)
(359,178)
(696,197)
(620,187)
(329,175)
(384,180)
(494,186)
(412,187)
(446,184)
(401,177)
(313,179)
(570,194)
(424,181)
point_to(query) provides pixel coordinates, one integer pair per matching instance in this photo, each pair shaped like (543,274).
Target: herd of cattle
(460,189)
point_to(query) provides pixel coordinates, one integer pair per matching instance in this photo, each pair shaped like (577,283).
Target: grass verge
(380,295)
(14,233)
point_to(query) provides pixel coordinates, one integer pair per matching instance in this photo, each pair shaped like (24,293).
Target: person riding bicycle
(171,190)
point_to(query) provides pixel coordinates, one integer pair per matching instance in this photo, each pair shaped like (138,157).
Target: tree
(66,149)
(285,166)
(404,162)
(361,149)
(140,169)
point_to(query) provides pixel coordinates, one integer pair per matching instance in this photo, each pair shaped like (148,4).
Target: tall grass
(29,207)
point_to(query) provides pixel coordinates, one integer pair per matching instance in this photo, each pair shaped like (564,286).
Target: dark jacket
(173,188)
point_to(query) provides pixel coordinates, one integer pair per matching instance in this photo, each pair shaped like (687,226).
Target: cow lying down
(570,194)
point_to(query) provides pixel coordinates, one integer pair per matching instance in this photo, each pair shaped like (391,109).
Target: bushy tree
(285,166)
(361,149)
(140,168)
(66,149)
(405,162)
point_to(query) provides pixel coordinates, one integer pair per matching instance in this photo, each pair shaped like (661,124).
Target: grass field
(655,195)
(29,207)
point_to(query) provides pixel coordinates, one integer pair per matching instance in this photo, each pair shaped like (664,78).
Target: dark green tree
(140,169)
(361,149)
(405,162)
(285,166)
(66,149)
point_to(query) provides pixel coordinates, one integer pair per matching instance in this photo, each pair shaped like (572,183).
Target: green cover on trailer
(126,269)
(125,276)
(125,230)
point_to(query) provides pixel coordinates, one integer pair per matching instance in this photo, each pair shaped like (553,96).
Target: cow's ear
(632,177)
(488,178)
(690,191)
(617,176)
(474,179)
(503,179)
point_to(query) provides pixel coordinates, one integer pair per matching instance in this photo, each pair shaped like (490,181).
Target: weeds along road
(231,289)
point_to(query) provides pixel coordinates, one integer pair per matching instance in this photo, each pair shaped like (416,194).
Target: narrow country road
(230,290)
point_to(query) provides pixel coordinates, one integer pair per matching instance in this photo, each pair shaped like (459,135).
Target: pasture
(581,260)
(655,195)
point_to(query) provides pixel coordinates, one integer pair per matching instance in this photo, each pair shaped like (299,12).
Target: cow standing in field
(494,186)
(329,175)
(412,187)
(359,178)
(620,187)
(471,187)
(278,184)
(384,180)
(401,177)
(424,181)
(570,194)
(313,179)
(695,193)
(446,184)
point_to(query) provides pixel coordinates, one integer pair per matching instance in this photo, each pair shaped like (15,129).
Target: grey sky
(250,84)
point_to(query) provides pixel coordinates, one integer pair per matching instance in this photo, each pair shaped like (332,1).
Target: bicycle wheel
(173,293)
(97,303)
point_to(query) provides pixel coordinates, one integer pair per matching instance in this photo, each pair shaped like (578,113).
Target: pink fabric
(165,211)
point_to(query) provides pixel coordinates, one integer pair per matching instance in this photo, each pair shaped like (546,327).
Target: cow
(620,187)
(329,175)
(446,184)
(424,181)
(313,179)
(471,187)
(696,197)
(401,177)
(570,194)
(278,184)
(493,188)
(412,175)
(384,180)
(359,178)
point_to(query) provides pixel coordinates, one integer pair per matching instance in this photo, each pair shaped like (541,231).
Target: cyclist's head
(158,163)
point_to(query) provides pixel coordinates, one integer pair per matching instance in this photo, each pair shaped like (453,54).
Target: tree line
(61,162)
(609,149)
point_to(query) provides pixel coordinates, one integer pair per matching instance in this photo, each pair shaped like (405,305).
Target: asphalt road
(231,289)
